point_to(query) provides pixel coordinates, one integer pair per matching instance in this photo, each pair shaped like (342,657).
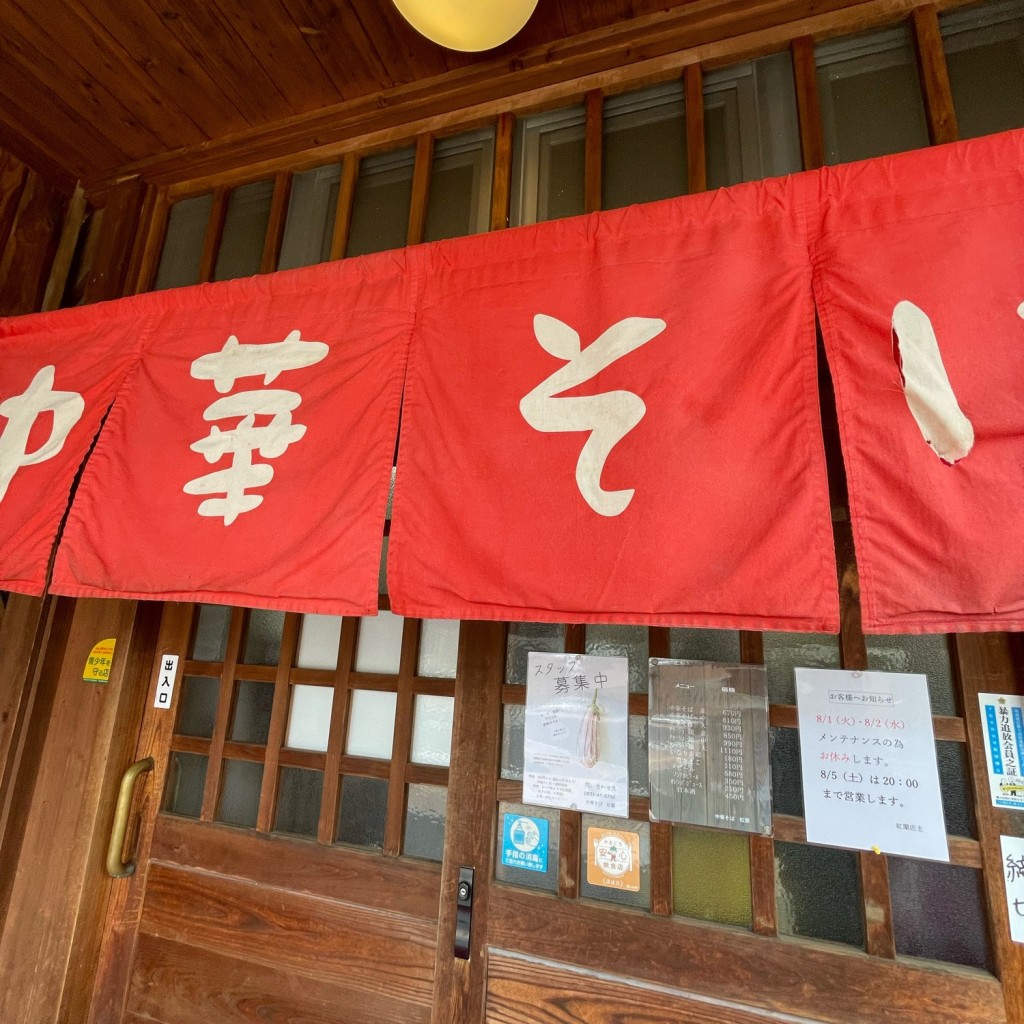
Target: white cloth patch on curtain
(926,386)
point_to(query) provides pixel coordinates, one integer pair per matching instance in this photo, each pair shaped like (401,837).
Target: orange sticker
(613,859)
(97,665)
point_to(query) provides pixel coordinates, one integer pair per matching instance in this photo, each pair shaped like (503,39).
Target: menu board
(577,733)
(870,776)
(708,745)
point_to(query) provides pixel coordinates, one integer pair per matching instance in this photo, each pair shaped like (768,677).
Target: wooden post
(696,158)
(931,66)
(501,190)
(808,103)
(459,985)
(346,199)
(593,151)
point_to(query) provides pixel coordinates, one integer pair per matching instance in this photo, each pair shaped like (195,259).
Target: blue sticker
(525,843)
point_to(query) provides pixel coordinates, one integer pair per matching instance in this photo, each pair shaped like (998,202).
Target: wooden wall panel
(175,983)
(367,950)
(815,981)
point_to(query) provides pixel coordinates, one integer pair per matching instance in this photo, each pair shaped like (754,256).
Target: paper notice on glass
(1013,873)
(1002,716)
(708,746)
(577,733)
(871,780)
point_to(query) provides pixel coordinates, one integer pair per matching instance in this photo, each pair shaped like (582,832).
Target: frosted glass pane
(925,654)
(426,811)
(253,705)
(310,223)
(263,637)
(524,637)
(787,788)
(211,639)
(624,642)
(957,800)
(512,739)
(784,652)
(199,698)
(985,56)
(751,129)
(439,648)
(362,811)
(298,802)
(548,165)
(642,898)
(870,94)
(459,202)
(817,893)
(547,880)
(309,719)
(371,724)
(705,644)
(644,146)
(186,780)
(183,243)
(711,875)
(379,647)
(245,230)
(319,637)
(240,793)
(938,911)
(432,730)
(380,211)
(639,768)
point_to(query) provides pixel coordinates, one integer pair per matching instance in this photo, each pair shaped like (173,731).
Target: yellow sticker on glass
(613,859)
(97,665)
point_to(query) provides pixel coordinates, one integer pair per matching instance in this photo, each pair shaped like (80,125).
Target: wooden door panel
(396,884)
(527,992)
(369,951)
(176,983)
(821,981)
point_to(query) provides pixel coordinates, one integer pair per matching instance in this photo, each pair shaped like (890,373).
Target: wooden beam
(109,272)
(593,150)
(931,66)
(214,233)
(460,985)
(74,218)
(710,32)
(150,241)
(225,708)
(278,720)
(420,189)
(696,159)
(275,222)
(808,103)
(501,188)
(346,200)
(984,663)
(394,823)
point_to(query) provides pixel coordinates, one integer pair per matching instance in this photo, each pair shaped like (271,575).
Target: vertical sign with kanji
(870,775)
(577,733)
(165,681)
(708,746)
(1003,718)
(1013,873)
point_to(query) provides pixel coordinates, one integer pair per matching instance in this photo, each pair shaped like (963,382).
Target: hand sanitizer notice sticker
(525,843)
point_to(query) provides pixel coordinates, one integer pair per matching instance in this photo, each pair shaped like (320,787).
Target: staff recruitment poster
(871,780)
(577,733)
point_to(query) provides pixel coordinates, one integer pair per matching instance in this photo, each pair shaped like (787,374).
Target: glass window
(432,730)
(263,637)
(253,705)
(985,56)
(309,227)
(211,636)
(199,698)
(711,875)
(371,724)
(513,734)
(186,781)
(459,202)
(871,101)
(924,654)
(705,645)
(644,146)
(240,793)
(362,811)
(379,646)
(785,652)
(380,211)
(439,648)
(426,811)
(298,802)
(309,718)
(817,892)
(622,642)
(524,637)
(245,230)
(319,639)
(751,129)
(183,243)
(548,166)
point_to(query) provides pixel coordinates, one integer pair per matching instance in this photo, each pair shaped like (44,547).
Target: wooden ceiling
(88,87)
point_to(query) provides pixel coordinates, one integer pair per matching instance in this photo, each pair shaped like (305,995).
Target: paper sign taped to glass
(708,745)
(870,774)
(577,732)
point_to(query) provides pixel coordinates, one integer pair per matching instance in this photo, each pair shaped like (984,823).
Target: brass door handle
(117,868)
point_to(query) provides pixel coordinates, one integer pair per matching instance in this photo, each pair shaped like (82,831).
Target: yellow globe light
(468,25)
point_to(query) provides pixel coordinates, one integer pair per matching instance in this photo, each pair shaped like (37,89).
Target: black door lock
(463,912)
